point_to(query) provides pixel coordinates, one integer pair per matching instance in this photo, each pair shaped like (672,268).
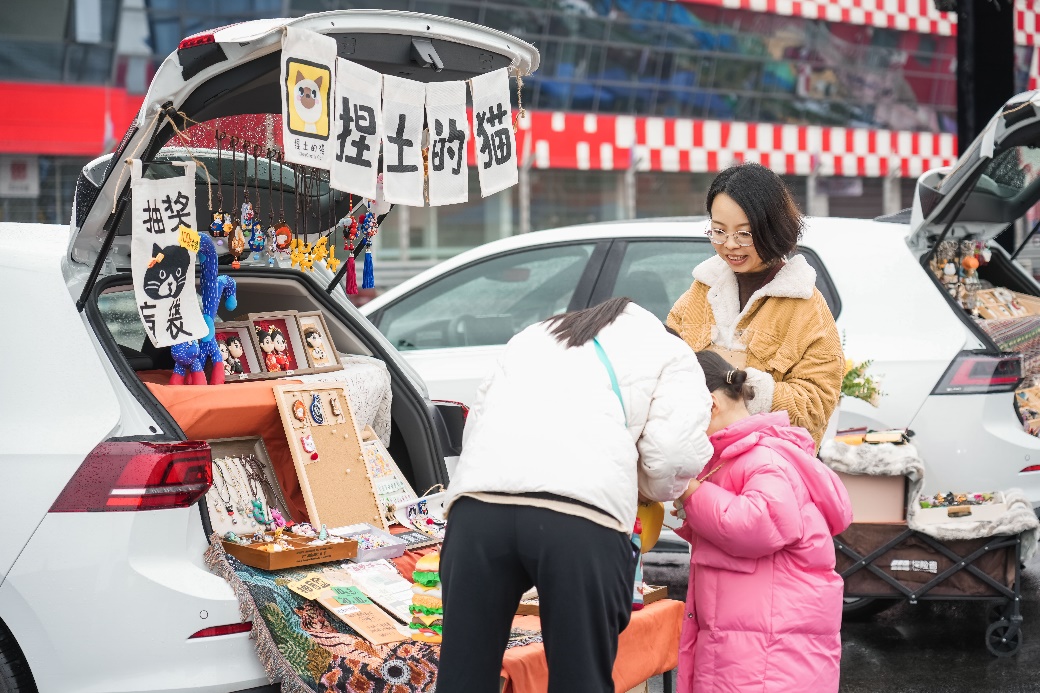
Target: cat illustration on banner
(167,270)
(308,85)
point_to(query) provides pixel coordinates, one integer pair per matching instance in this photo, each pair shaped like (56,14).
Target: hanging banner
(493,130)
(449,131)
(163,245)
(403,110)
(308,59)
(359,117)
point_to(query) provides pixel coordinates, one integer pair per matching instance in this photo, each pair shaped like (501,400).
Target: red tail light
(197,40)
(223,630)
(1030,468)
(972,373)
(123,475)
(451,403)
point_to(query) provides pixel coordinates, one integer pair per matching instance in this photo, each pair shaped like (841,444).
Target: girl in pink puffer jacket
(763,609)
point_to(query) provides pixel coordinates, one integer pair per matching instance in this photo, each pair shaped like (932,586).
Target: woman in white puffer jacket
(585,413)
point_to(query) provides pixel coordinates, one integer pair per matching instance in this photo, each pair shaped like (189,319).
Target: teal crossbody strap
(610,371)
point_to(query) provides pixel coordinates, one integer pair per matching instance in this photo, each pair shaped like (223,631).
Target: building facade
(635,106)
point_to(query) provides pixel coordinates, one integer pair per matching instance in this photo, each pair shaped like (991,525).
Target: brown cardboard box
(876,498)
(300,555)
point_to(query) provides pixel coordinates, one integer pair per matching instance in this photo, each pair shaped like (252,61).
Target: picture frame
(318,346)
(278,343)
(244,366)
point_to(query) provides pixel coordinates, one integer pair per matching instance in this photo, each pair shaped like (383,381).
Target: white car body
(892,312)
(108,602)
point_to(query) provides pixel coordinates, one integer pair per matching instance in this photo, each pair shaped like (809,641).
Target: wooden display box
(876,498)
(299,556)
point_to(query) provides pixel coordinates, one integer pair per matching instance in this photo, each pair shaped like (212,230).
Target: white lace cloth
(367,383)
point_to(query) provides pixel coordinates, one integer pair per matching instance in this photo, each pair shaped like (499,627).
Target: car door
(453,329)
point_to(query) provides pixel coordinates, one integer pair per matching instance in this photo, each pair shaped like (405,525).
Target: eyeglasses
(719,237)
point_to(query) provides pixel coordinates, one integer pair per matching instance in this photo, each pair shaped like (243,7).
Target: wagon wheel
(997,641)
(997,611)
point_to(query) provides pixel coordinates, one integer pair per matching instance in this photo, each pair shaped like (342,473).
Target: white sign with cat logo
(308,63)
(162,258)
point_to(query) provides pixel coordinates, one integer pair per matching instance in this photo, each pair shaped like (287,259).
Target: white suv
(102,582)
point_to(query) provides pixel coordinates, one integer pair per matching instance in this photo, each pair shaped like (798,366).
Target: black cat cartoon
(166,271)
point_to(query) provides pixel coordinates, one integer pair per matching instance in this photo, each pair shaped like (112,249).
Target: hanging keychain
(269,235)
(216,228)
(283,235)
(256,229)
(237,243)
(350,232)
(369,229)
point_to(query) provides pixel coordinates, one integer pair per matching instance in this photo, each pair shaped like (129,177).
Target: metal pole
(525,185)
(404,230)
(891,196)
(630,183)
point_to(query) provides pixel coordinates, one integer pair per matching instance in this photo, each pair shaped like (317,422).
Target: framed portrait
(279,347)
(317,342)
(235,341)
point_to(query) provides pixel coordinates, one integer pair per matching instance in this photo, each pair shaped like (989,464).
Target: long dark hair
(719,374)
(580,326)
(776,223)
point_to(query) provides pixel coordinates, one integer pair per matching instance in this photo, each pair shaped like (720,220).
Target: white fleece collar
(796,279)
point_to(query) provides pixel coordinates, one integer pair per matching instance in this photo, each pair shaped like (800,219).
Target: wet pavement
(933,647)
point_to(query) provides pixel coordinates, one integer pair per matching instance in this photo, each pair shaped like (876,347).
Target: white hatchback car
(103,586)
(944,377)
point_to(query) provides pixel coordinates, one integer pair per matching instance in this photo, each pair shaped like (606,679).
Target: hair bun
(736,379)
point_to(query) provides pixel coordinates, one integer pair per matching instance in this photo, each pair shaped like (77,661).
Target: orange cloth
(648,647)
(208,412)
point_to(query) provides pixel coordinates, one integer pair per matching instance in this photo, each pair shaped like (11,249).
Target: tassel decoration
(369,280)
(351,276)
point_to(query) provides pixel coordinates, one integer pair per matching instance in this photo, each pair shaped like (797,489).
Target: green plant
(859,384)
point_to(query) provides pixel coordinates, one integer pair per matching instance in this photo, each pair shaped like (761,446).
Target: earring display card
(326,449)
(253,453)
(391,487)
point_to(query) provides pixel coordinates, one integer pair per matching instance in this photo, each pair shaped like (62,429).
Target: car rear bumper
(107,602)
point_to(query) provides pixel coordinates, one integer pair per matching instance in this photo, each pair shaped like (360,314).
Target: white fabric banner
(162,259)
(493,132)
(359,119)
(403,111)
(449,132)
(308,60)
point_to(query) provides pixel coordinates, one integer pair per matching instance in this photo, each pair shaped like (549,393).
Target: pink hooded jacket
(763,610)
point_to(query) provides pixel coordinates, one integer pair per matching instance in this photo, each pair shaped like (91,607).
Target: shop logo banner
(162,256)
(448,177)
(403,110)
(357,127)
(493,130)
(308,60)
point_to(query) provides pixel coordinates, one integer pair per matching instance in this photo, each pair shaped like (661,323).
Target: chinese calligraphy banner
(403,175)
(449,130)
(163,269)
(308,60)
(359,119)
(493,130)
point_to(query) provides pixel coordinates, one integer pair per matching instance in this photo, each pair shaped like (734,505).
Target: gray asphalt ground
(931,647)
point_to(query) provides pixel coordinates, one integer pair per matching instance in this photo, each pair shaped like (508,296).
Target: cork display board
(325,445)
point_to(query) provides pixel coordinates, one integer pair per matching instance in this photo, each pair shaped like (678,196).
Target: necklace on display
(227,502)
(253,507)
(242,501)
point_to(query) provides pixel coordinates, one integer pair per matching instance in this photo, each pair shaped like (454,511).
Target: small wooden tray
(653,594)
(301,555)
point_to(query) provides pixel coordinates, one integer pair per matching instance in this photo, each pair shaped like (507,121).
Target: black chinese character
(153,218)
(361,118)
(400,142)
(494,144)
(175,323)
(177,209)
(441,145)
(146,309)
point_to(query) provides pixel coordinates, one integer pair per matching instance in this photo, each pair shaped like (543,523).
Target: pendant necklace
(227,502)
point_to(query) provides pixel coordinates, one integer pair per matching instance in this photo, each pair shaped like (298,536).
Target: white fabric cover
(547,419)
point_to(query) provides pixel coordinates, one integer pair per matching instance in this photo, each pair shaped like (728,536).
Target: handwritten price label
(189,238)
(310,586)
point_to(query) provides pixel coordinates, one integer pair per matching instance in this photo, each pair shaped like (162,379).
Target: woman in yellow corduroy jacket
(758,307)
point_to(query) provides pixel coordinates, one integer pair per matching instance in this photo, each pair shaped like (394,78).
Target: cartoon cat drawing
(308,101)
(167,270)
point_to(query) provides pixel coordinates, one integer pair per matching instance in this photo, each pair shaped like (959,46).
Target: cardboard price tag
(310,586)
(189,238)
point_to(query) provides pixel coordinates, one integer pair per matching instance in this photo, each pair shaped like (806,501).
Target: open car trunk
(232,74)
(993,190)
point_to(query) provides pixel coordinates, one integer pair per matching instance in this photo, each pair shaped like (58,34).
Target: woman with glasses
(758,307)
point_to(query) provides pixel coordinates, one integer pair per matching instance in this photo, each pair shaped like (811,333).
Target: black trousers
(494,553)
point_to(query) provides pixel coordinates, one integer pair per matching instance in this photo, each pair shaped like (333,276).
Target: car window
(655,274)
(823,281)
(489,301)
